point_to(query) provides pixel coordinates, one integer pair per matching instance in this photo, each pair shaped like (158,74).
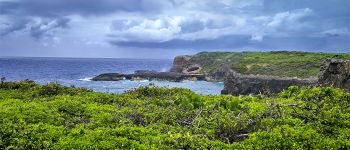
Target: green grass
(281,63)
(58,117)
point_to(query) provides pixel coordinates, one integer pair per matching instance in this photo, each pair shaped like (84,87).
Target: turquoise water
(79,71)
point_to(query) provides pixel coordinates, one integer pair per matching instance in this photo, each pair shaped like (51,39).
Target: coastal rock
(180,63)
(153,75)
(218,74)
(165,76)
(149,75)
(192,69)
(336,73)
(109,77)
(238,84)
(192,65)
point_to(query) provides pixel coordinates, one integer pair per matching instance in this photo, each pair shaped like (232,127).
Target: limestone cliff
(180,64)
(198,64)
(238,84)
(335,72)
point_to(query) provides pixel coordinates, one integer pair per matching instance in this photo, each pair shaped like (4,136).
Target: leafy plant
(58,117)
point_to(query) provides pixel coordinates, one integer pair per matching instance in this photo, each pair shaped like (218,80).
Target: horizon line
(69,57)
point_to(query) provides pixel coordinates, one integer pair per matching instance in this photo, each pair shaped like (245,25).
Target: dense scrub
(58,117)
(280,63)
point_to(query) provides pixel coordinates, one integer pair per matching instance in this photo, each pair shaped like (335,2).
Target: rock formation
(194,65)
(218,74)
(180,64)
(149,75)
(238,84)
(333,72)
(184,67)
(109,77)
(336,73)
(166,76)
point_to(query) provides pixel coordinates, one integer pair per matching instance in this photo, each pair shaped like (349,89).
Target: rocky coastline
(333,72)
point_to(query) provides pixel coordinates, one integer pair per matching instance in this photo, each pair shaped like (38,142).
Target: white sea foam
(85,79)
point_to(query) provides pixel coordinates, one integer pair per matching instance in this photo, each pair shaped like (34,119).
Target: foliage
(57,117)
(278,63)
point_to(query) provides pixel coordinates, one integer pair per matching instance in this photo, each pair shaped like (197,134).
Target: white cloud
(161,29)
(289,18)
(181,20)
(177,27)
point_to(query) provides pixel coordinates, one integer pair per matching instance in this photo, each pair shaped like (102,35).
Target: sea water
(79,71)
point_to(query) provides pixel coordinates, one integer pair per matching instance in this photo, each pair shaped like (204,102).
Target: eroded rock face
(333,72)
(336,73)
(218,75)
(192,65)
(192,69)
(180,63)
(238,84)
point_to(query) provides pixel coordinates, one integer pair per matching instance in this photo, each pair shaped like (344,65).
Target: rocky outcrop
(336,73)
(109,77)
(194,65)
(166,76)
(218,74)
(180,63)
(184,67)
(149,75)
(238,84)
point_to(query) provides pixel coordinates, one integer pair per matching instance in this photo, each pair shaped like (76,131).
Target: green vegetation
(280,63)
(58,117)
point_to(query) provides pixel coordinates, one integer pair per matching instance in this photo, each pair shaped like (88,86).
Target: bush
(58,117)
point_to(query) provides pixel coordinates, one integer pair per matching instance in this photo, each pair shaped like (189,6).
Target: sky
(166,28)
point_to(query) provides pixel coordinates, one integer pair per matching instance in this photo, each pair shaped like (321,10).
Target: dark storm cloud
(37,28)
(44,28)
(14,26)
(225,42)
(21,12)
(270,24)
(243,42)
(52,8)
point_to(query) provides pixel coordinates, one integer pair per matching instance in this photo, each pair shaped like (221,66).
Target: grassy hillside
(58,117)
(282,63)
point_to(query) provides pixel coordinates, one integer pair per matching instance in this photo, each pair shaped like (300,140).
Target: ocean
(79,71)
